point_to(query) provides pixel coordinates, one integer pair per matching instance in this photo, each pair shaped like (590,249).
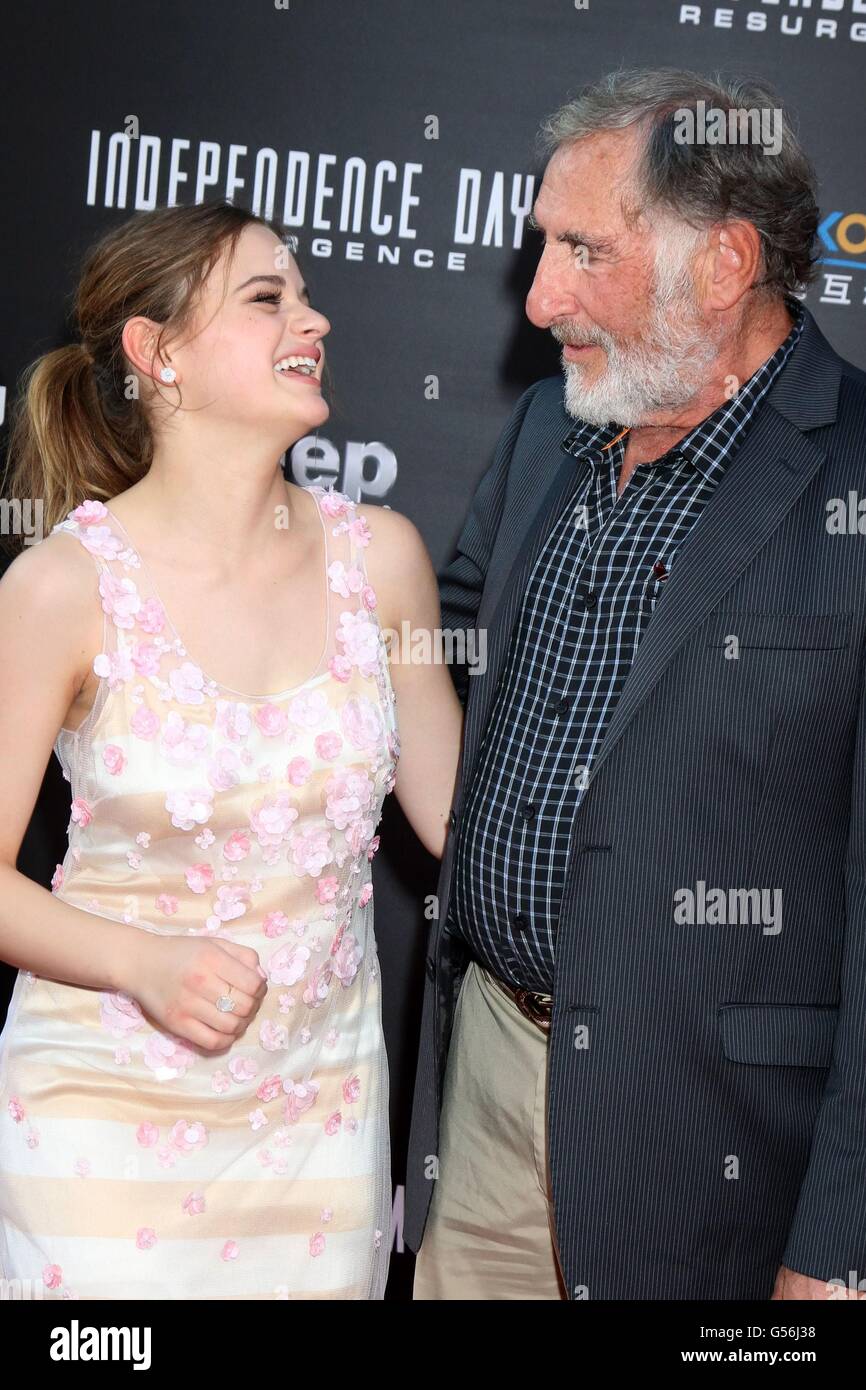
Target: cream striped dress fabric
(136,1165)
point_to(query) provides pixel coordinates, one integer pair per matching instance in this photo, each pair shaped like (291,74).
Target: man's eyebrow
(280,280)
(592,243)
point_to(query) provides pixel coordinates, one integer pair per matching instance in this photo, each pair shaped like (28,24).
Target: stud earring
(168,374)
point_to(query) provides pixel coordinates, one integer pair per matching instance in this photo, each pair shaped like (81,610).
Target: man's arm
(828,1234)
(461,582)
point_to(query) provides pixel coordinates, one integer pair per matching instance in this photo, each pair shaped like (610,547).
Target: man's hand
(791,1285)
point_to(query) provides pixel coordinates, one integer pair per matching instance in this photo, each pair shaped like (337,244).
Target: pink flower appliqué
(287,964)
(222,769)
(359,636)
(89,512)
(236,847)
(144,722)
(230,1250)
(334,503)
(100,540)
(317,1244)
(275,923)
(147,1134)
(243,1069)
(199,877)
(360,531)
(349,794)
(362,723)
(151,616)
(345,582)
(145,1237)
(271,720)
(340,668)
(299,771)
(351,1089)
(300,1097)
(187,1136)
(183,742)
(232,900)
(145,658)
(311,851)
(309,710)
(167,904)
(189,807)
(120,1014)
(271,818)
(168,1057)
(346,959)
(326,889)
(233,720)
(81,812)
(193,1203)
(187,683)
(328,746)
(120,599)
(52,1276)
(273,1036)
(114,759)
(115,667)
(269,1089)
(57,878)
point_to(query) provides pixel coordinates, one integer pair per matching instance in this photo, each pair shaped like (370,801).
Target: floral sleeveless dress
(134,1164)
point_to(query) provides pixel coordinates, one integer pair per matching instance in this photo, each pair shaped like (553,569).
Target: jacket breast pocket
(793,1035)
(779,631)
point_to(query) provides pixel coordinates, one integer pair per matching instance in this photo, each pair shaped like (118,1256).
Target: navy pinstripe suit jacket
(714,1127)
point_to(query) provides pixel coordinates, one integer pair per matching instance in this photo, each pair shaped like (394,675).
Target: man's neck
(734,366)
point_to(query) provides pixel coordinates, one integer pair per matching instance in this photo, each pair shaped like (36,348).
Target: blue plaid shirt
(589,598)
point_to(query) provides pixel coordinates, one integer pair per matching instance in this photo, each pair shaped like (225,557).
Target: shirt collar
(708,444)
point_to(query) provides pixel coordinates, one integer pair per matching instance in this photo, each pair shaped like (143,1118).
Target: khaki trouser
(489,1231)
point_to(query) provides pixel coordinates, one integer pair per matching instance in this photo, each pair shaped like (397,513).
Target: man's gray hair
(703,183)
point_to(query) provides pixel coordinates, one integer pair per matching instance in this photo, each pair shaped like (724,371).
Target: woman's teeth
(305,365)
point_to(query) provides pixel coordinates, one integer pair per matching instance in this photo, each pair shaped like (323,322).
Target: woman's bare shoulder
(52,588)
(397,559)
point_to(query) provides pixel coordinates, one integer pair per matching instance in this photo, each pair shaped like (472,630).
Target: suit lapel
(763,481)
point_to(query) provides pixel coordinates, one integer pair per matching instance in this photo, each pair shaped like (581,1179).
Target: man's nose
(548,298)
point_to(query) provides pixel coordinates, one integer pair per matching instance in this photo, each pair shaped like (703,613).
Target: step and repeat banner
(396,138)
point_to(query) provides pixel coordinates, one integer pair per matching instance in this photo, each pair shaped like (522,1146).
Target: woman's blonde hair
(78,428)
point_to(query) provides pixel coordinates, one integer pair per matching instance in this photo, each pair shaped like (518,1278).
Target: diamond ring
(225,1003)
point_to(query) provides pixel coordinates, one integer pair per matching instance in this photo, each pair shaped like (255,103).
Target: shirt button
(562,705)
(591,600)
(528,810)
(520,921)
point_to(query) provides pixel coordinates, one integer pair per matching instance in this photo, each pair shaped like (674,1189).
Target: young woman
(193,1079)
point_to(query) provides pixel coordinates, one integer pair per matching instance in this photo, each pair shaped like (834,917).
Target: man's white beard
(641,378)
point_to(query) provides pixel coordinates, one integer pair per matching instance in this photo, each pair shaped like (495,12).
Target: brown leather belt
(538,1008)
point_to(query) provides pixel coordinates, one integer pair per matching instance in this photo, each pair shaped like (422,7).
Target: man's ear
(733,263)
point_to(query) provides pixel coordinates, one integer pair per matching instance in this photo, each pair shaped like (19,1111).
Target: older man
(643,1050)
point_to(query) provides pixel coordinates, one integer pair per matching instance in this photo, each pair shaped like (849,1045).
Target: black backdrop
(285,107)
